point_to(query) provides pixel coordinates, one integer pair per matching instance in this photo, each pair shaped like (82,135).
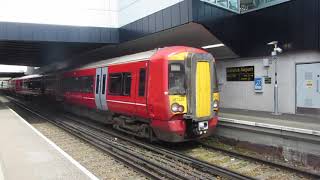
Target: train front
(193,96)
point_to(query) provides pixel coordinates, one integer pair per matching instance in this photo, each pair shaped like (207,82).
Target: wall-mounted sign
(267,80)
(245,73)
(258,81)
(309,83)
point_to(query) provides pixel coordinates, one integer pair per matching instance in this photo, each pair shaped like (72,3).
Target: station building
(57,34)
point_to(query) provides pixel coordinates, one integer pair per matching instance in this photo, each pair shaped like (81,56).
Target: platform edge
(67,156)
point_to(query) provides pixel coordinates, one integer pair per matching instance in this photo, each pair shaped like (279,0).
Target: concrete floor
(27,154)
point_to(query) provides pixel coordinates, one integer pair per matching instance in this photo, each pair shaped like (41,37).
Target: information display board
(245,73)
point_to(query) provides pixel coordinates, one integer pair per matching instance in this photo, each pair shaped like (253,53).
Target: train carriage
(169,93)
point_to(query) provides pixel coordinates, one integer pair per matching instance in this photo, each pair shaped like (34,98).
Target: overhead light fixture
(213,46)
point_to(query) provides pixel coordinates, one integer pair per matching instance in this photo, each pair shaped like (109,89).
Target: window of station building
(119,84)
(142,82)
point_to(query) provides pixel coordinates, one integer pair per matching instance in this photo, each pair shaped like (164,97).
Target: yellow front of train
(193,92)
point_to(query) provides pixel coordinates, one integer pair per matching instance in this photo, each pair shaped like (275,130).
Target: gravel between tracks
(247,167)
(96,161)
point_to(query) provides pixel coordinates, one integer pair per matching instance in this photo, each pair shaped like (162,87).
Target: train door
(141,93)
(100,88)
(308,87)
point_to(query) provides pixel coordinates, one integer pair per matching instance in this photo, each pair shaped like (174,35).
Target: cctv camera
(273,43)
(279,50)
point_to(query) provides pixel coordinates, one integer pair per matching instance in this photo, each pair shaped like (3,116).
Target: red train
(169,94)
(27,85)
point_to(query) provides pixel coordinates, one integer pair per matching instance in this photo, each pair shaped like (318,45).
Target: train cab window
(177,79)
(114,85)
(215,79)
(126,84)
(142,81)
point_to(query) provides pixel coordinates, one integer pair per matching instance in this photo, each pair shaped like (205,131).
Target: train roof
(28,77)
(119,60)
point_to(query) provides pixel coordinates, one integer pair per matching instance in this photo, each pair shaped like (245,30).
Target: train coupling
(201,127)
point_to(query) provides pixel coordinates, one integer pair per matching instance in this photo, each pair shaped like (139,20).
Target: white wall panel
(241,95)
(132,10)
(97,13)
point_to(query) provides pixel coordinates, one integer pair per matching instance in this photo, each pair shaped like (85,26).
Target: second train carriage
(30,85)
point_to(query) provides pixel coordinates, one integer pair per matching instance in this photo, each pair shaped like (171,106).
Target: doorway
(308,88)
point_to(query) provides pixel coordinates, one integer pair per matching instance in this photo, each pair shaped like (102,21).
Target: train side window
(87,84)
(97,84)
(114,85)
(76,84)
(142,81)
(103,84)
(66,84)
(126,84)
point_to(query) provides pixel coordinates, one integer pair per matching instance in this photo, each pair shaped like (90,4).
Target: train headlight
(181,108)
(215,104)
(175,107)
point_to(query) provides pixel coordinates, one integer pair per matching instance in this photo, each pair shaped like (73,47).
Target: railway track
(194,163)
(252,158)
(154,161)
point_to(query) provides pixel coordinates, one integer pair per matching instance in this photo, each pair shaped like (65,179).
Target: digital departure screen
(245,73)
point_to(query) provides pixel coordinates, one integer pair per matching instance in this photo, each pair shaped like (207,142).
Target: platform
(306,124)
(26,154)
(294,137)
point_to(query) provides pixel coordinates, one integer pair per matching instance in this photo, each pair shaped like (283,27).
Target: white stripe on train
(124,102)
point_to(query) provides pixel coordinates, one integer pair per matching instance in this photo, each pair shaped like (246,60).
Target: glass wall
(251,5)
(232,5)
(243,6)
